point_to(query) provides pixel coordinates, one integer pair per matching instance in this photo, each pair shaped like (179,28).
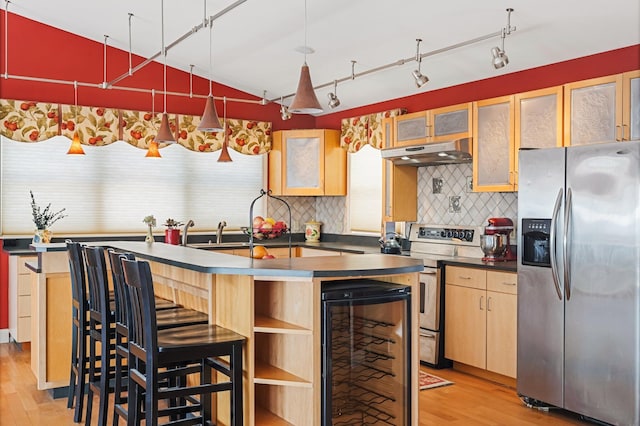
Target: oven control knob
(455,234)
(443,234)
(469,236)
(449,234)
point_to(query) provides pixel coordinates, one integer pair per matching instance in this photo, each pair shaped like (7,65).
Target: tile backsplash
(444,197)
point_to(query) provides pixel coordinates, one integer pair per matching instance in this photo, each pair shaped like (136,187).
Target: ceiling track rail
(128,89)
(399,62)
(171,45)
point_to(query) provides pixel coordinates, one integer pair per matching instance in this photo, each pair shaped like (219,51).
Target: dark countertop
(506,266)
(209,261)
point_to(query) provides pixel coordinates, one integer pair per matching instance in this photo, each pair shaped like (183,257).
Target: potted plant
(172,233)
(43,219)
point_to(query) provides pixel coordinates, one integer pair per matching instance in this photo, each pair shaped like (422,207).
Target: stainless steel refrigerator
(579,280)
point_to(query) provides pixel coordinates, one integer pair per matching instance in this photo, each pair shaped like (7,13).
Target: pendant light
(224,152)
(152,150)
(305,100)
(164,133)
(76,146)
(210,121)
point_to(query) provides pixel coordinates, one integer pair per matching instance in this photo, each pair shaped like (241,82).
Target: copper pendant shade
(152,151)
(76,146)
(210,121)
(164,133)
(224,153)
(305,100)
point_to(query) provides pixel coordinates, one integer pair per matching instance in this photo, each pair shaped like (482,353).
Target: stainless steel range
(432,244)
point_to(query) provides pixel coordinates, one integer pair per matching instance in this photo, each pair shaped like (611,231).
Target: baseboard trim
(4,335)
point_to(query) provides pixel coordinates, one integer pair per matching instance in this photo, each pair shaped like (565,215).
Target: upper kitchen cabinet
(493,147)
(399,185)
(602,109)
(436,125)
(538,120)
(307,162)
(452,122)
(411,129)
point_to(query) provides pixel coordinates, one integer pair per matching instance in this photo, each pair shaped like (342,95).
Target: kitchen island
(275,303)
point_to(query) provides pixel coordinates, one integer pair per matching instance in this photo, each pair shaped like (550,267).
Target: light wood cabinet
(307,162)
(504,125)
(312,252)
(451,122)
(436,125)
(20,298)
(481,319)
(602,109)
(399,185)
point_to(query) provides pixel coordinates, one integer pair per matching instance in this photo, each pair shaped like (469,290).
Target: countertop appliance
(496,243)
(366,357)
(579,280)
(432,243)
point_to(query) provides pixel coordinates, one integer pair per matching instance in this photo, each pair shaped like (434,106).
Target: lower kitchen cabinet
(20,299)
(481,319)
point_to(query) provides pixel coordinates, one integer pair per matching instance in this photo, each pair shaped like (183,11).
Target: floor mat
(429,381)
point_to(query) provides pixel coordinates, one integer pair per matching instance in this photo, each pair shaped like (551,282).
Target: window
(365,190)
(112,188)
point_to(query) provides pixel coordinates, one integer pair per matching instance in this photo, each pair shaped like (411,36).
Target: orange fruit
(259,252)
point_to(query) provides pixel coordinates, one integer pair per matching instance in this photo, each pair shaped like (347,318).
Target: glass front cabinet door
(493,147)
(307,162)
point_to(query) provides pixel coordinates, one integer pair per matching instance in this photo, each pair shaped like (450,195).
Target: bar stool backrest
(120,292)
(143,327)
(99,306)
(78,275)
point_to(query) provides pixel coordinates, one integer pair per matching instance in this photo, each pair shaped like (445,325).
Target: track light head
(420,78)
(500,59)
(284,113)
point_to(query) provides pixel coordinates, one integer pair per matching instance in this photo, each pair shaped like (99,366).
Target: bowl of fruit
(267,229)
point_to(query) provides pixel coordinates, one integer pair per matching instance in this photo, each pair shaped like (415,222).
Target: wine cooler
(366,348)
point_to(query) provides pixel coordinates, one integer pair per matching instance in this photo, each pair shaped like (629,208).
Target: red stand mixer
(495,242)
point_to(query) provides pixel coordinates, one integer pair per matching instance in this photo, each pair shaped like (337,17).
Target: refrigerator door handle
(566,246)
(552,243)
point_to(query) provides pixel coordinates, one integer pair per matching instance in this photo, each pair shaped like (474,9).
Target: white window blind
(112,188)
(365,190)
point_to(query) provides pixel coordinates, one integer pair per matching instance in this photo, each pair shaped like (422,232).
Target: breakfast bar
(274,303)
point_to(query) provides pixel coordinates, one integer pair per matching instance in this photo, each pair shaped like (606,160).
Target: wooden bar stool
(161,360)
(80,330)
(167,318)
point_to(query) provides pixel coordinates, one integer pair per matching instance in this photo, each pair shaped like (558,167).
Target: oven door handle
(552,244)
(423,291)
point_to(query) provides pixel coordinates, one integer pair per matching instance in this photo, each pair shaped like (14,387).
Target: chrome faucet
(186,230)
(221,226)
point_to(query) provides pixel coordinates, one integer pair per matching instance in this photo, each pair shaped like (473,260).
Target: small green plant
(171,223)
(43,219)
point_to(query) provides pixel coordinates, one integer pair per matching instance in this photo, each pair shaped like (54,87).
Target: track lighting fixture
(224,152)
(284,111)
(164,132)
(210,121)
(333,98)
(500,59)
(76,146)
(305,100)
(421,79)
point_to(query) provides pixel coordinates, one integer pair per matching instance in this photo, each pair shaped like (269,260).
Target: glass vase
(149,238)
(42,236)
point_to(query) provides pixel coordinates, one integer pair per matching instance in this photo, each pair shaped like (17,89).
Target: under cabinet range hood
(430,154)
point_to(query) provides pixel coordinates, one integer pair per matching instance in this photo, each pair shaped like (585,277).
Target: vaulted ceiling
(257,44)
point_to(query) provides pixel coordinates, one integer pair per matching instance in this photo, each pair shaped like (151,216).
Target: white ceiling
(254,45)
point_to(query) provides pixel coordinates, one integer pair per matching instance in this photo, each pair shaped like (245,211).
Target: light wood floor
(470,401)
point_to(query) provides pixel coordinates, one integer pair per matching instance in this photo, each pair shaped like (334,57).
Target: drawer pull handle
(428,336)
(506,283)
(464,278)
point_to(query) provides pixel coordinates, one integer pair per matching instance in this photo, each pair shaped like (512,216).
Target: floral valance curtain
(25,121)
(366,129)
